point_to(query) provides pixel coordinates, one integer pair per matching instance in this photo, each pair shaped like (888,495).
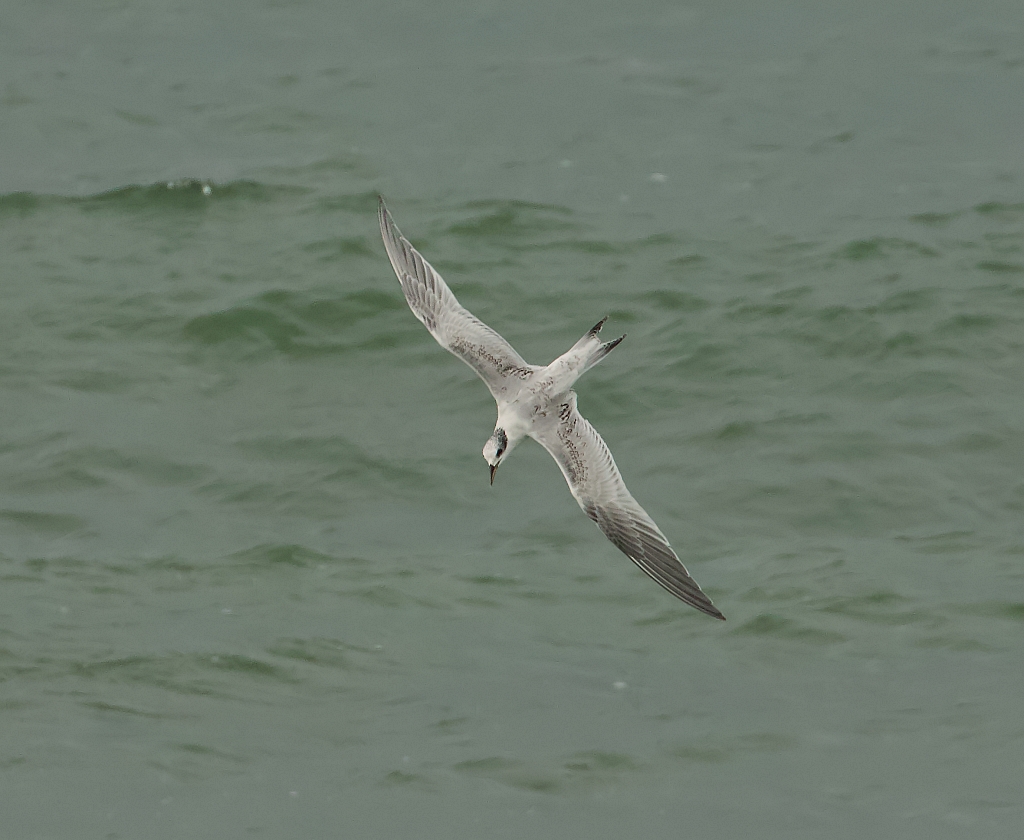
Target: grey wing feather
(455,328)
(597,485)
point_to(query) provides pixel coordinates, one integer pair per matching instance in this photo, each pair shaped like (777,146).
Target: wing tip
(698,600)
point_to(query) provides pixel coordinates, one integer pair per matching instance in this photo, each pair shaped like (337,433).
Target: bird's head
(495,449)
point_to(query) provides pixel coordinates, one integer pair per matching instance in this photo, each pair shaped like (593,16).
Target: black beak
(493,468)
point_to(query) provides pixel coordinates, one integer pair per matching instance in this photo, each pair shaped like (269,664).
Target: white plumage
(539,402)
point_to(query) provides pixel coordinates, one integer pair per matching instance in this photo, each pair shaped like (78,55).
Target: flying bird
(538,402)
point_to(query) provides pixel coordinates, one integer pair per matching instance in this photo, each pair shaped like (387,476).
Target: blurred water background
(252,579)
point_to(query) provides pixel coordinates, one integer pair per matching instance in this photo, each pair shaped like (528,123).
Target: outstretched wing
(594,480)
(455,328)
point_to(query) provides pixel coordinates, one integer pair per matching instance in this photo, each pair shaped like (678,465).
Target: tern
(539,402)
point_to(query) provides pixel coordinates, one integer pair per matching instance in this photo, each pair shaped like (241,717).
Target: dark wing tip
(654,557)
(691,593)
(389,231)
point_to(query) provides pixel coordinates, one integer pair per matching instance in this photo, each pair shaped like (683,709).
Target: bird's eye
(500,452)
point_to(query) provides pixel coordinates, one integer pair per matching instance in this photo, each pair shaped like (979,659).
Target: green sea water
(253,581)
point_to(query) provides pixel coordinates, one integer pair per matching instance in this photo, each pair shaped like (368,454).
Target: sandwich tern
(538,402)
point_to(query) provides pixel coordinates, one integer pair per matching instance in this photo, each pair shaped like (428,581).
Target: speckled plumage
(539,402)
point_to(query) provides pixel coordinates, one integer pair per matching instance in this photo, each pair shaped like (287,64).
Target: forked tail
(592,349)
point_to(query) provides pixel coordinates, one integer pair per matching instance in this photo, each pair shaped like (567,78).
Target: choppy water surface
(254,582)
